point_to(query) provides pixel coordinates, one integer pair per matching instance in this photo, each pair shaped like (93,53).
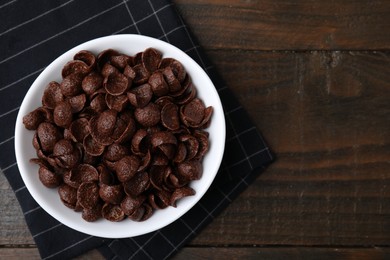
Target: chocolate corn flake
(63,147)
(138,214)
(190,170)
(62,114)
(140,96)
(71,85)
(172,81)
(77,103)
(180,193)
(104,57)
(116,83)
(115,152)
(130,204)
(120,136)
(127,167)
(92,147)
(141,74)
(158,84)
(151,59)
(137,185)
(111,193)
(170,116)
(92,214)
(148,116)
(92,82)
(75,66)
(47,136)
(121,61)
(33,119)
(88,195)
(79,129)
(68,195)
(117,103)
(87,57)
(52,95)
(113,212)
(49,178)
(99,103)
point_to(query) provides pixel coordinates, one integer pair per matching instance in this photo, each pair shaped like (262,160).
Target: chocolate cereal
(120,136)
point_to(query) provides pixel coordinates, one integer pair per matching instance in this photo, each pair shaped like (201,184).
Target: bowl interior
(49,200)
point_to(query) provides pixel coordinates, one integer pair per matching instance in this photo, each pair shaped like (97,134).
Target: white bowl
(49,199)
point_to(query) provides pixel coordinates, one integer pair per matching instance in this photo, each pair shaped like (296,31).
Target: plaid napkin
(34,34)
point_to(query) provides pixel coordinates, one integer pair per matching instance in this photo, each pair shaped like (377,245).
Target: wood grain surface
(196,253)
(289,25)
(314,77)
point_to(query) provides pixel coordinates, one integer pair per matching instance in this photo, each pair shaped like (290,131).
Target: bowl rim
(91,227)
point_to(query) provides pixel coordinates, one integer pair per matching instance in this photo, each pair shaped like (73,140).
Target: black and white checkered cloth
(32,34)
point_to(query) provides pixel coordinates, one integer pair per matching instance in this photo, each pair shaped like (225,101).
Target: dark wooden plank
(283,253)
(326,100)
(287,25)
(32,254)
(235,253)
(13,228)
(326,116)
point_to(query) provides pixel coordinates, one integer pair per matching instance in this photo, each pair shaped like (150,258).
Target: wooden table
(315,78)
